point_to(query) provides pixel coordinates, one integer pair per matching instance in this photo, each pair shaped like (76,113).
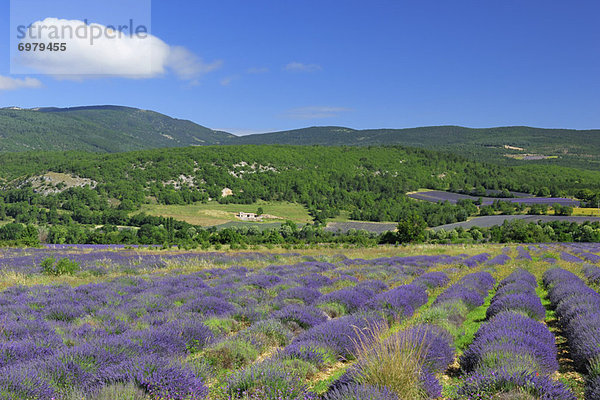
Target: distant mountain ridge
(580,148)
(107,129)
(110,129)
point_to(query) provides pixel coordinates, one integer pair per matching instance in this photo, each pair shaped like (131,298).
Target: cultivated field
(495,220)
(435,196)
(587,211)
(418,322)
(213,213)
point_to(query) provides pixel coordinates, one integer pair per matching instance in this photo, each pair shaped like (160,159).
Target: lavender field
(429,322)
(435,196)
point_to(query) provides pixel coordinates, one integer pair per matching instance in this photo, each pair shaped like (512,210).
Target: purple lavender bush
(437,345)
(503,383)
(577,310)
(270,380)
(526,303)
(432,280)
(160,379)
(350,299)
(303,317)
(305,295)
(397,303)
(517,293)
(342,335)
(310,351)
(500,259)
(591,273)
(592,388)
(24,383)
(513,341)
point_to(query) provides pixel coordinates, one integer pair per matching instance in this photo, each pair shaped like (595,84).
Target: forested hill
(369,183)
(99,129)
(512,145)
(113,129)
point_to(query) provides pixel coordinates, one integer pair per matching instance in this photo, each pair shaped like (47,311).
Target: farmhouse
(248,216)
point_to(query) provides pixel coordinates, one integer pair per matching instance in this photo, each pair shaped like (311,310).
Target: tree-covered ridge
(101,129)
(120,129)
(580,148)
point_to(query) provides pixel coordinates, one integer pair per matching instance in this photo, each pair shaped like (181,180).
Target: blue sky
(274,65)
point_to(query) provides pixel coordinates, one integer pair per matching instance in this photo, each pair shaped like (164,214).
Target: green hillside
(99,129)
(114,129)
(85,197)
(369,183)
(511,145)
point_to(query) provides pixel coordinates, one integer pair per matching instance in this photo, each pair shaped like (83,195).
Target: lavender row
(339,337)
(592,274)
(578,312)
(343,338)
(512,352)
(517,293)
(422,351)
(501,340)
(103,259)
(433,337)
(471,290)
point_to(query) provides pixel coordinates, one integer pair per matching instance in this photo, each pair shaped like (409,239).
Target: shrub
(437,352)
(24,384)
(267,333)
(577,308)
(449,316)
(231,354)
(64,266)
(196,335)
(432,280)
(592,390)
(398,363)
(341,334)
(304,316)
(402,362)
(468,296)
(272,380)
(312,352)
(526,303)
(514,342)
(209,306)
(333,309)
(161,380)
(361,392)
(512,385)
(400,302)
(120,391)
(303,369)
(303,294)
(351,299)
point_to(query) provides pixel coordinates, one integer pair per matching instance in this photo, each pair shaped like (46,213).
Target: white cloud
(316,112)
(7,83)
(187,65)
(301,67)
(110,54)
